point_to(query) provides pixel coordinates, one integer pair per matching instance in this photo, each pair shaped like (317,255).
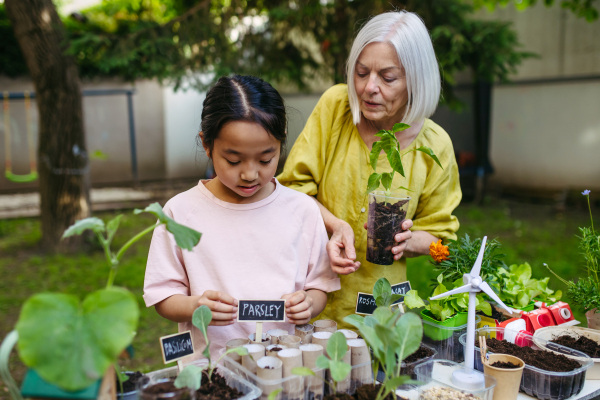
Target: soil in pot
(541,359)
(163,388)
(339,396)
(130,384)
(385,221)
(583,344)
(369,392)
(505,365)
(420,354)
(216,389)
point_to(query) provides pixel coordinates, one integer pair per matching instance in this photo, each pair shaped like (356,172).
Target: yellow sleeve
(440,196)
(303,170)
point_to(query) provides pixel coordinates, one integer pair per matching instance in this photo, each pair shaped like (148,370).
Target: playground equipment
(32,175)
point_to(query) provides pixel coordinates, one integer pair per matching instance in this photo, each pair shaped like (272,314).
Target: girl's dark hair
(242,98)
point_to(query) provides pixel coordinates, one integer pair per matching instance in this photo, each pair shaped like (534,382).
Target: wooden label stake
(258,334)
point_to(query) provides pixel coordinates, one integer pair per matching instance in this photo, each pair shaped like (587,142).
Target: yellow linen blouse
(331,161)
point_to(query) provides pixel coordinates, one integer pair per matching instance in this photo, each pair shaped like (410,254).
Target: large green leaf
(395,161)
(383,315)
(93,223)
(354,320)
(387,336)
(393,383)
(337,346)
(71,344)
(399,127)
(185,237)
(374,180)
(382,285)
(303,371)
(374,155)
(386,180)
(190,377)
(322,362)
(112,226)
(409,330)
(431,154)
(201,319)
(339,370)
(412,299)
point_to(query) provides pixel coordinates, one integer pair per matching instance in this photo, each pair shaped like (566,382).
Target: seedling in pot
(338,369)
(386,213)
(191,375)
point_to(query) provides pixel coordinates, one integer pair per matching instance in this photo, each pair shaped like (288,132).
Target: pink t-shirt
(260,250)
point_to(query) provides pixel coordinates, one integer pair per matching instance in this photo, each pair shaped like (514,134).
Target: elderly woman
(393,77)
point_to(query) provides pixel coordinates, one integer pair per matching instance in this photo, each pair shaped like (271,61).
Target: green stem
(561,279)
(591,218)
(134,239)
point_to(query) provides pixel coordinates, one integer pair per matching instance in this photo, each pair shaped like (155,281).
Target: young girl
(260,240)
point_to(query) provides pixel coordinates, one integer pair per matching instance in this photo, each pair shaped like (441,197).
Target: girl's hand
(298,307)
(340,249)
(401,239)
(223,307)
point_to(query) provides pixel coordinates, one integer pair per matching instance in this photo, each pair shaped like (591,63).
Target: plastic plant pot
(443,337)
(386,214)
(436,376)
(132,394)
(409,368)
(537,382)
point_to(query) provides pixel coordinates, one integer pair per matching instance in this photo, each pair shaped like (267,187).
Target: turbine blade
(477,267)
(463,289)
(490,292)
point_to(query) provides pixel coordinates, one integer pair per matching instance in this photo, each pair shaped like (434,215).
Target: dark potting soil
(130,383)
(502,364)
(276,349)
(423,352)
(541,359)
(151,392)
(217,389)
(385,221)
(583,344)
(338,396)
(369,392)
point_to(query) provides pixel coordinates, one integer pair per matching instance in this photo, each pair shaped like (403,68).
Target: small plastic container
(436,375)
(409,368)
(444,337)
(386,214)
(537,382)
(235,381)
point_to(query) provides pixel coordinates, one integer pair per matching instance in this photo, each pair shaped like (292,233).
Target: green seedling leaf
(322,362)
(392,384)
(387,336)
(383,314)
(384,300)
(368,333)
(395,161)
(240,351)
(112,226)
(374,181)
(190,377)
(354,320)
(412,299)
(386,180)
(409,330)
(339,370)
(374,155)
(396,297)
(93,223)
(70,343)
(201,319)
(381,286)
(185,237)
(370,321)
(206,351)
(337,346)
(273,395)
(303,371)
(431,154)
(405,188)
(399,127)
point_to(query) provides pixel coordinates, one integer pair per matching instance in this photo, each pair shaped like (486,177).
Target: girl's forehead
(242,137)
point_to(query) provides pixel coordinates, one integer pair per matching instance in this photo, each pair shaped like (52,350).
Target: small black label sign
(365,302)
(177,346)
(261,310)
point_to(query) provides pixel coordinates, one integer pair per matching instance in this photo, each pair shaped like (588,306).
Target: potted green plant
(71,344)
(387,209)
(585,292)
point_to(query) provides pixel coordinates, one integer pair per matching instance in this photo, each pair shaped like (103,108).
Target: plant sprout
(391,146)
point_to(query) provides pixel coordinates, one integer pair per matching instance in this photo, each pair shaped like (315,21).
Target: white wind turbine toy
(473,285)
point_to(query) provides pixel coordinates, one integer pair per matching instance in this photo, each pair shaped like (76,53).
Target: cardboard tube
(325,325)
(321,338)
(348,333)
(269,369)
(310,353)
(255,352)
(232,344)
(509,379)
(360,355)
(305,332)
(266,339)
(291,341)
(275,334)
(273,349)
(294,387)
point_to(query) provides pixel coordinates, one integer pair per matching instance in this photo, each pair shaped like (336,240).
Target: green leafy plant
(191,376)
(448,306)
(337,347)
(585,292)
(391,146)
(516,288)
(70,343)
(392,337)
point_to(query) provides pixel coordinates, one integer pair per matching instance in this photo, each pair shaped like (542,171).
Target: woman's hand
(298,307)
(223,307)
(340,248)
(402,239)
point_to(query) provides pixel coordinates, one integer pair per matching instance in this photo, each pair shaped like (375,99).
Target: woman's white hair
(408,34)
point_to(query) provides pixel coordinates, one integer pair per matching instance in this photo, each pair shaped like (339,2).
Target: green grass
(531,233)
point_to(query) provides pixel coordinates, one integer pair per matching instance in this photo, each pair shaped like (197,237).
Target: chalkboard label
(177,346)
(261,310)
(365,302)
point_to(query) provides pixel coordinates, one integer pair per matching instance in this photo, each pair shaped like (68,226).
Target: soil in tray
(369,392)
(583,344)
(506,365)
(217,389)
(154,391)
(423,352)
(130,383)
(541,359)
(385,221)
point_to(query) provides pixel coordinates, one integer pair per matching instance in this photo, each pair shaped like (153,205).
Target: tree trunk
(62,158)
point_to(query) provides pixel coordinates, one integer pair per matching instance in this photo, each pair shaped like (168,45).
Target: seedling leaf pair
(185,237)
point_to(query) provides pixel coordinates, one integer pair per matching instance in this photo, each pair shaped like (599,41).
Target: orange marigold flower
(438,251)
